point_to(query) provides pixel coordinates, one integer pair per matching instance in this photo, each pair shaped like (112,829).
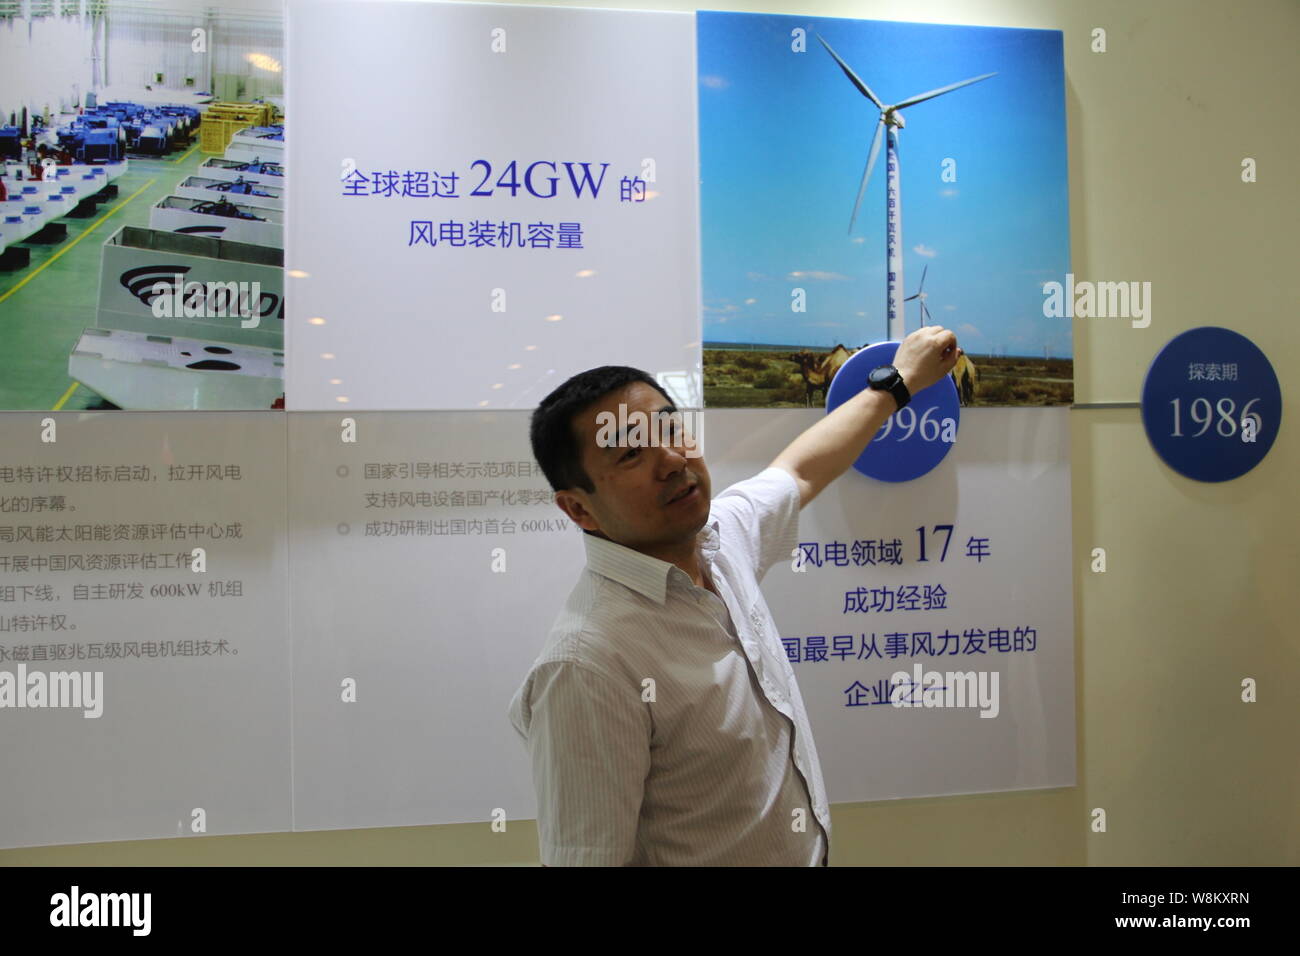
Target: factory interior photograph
(141,242)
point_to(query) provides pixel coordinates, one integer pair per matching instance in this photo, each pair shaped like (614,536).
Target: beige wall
(1200,578)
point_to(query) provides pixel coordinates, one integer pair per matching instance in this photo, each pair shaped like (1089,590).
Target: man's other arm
(589,739)
(827,450)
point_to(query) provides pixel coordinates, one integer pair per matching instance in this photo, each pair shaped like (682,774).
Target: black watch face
(879,376)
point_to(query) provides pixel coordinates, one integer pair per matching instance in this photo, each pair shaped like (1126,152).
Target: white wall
(43,61)
(47,60)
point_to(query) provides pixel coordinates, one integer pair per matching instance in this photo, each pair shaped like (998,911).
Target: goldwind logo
(140,282)
(924,688)
(37,689)
(1098,300)
(670,428)
(102,909)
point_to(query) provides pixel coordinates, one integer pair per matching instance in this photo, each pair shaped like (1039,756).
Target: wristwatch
(886,378)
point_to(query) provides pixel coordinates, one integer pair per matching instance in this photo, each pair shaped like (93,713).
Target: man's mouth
(683,494)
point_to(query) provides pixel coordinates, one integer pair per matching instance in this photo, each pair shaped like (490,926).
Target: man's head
(622,488)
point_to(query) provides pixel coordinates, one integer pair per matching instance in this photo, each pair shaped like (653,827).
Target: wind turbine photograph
(795,116)
(891,124)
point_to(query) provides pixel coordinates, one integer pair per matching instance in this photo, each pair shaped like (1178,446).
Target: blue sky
(784,138)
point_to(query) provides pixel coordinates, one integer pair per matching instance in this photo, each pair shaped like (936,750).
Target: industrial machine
(170,330)
(220,219)
(138,370)
(204,279)
(253,171)
(246,193)
(257,143)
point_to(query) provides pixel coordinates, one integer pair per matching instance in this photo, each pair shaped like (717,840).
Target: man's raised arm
(826,450)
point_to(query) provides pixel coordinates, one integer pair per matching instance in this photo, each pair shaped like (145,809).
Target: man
(663,719)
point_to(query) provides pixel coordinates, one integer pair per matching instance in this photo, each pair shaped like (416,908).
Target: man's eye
(629,454)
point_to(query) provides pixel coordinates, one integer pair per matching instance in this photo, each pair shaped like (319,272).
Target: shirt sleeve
(589,739)
(762,513)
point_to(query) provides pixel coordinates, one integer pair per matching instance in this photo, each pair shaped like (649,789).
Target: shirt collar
(641,572)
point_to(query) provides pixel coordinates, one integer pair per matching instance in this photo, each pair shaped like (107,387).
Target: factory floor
(45,306)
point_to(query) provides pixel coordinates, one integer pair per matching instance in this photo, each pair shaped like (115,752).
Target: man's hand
(827,449)
(926,356)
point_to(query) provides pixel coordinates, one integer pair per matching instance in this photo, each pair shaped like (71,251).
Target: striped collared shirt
(664,725)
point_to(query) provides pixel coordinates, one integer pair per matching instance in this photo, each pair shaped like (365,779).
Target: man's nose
(672,457)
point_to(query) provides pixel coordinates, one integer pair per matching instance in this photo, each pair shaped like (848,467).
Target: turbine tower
(891,121)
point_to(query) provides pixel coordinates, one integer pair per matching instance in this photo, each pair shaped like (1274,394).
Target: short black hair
(555,443)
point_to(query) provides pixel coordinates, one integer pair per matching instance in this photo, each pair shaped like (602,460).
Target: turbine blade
(866,174)
(927,313)
(913,100)
(911,297)
(853,77)
(923,272)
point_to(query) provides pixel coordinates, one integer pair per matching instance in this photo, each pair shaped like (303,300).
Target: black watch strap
(892,383)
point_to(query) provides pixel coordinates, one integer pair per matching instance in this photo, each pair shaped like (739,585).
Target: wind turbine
(920,294)
(891,121)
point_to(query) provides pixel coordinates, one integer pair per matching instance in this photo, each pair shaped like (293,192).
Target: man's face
(637,482)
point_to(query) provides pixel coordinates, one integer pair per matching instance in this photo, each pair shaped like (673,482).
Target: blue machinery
(107,132)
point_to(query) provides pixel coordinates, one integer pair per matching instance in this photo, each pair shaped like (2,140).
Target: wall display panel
(428,563)
(507,197)
(185,672)
(939,582)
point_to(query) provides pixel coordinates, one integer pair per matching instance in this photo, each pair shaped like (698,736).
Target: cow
(818,371)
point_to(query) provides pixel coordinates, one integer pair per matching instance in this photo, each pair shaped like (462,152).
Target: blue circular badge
(916,437)
(1211,404)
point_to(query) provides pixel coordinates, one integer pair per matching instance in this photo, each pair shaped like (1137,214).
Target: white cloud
(714,82)
(948,193)
(967,329)
(950,308)
(816,274)
(923,250)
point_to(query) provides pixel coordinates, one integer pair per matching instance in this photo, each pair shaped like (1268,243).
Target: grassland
(759,378)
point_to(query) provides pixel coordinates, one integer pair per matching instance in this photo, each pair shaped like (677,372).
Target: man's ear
(573,506)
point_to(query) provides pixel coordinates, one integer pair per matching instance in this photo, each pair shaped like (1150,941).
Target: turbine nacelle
(889,115)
